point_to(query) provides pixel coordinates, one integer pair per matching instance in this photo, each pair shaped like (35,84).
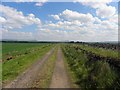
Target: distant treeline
(28,42)
(105,45)
(61,42)
(113,46)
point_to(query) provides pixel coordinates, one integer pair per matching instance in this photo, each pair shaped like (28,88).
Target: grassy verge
(0,75)
(0,65)
(12,68)
(74,61)
(45,74)
(71,75)
(89,74)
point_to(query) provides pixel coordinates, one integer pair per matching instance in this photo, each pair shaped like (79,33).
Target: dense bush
(90,73)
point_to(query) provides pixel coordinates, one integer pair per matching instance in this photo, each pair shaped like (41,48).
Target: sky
(85,20)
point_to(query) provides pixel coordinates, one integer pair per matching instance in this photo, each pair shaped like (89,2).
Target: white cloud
(2,20)
(78,26)
(38,2)
(107,25)
(71,25)
(14,35)
(41,2)
(114,19)
(103,10)
(73,15)
(106,11)
(15,19)
(28,0)
(97,20)
(56,17)
(86,1)
(83,34)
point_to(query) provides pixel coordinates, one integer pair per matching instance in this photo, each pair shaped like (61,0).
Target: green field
(87,67)
(23,55)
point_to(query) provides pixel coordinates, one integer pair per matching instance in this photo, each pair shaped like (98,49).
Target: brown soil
(59,78)
(26,78)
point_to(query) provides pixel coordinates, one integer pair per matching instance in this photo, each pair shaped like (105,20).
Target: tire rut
(59,78)
(25,79)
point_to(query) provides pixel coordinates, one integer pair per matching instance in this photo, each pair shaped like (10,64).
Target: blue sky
(52,8)
(44,12)
(48,8)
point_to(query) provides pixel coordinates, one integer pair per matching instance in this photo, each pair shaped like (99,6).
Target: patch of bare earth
(26,78)
(59,78)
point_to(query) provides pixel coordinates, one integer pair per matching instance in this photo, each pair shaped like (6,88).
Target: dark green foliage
(90,73)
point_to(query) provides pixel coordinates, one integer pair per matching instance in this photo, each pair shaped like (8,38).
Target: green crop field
(19,56)
(87,66)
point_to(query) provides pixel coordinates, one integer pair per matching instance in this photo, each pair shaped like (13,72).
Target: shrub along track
(90,69)
(26,78)
(114,62)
